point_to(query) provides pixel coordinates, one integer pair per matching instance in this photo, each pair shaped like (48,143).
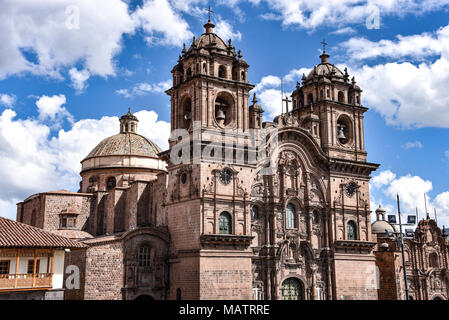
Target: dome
(209,40)
(125,144)
(380,226)
(325,69)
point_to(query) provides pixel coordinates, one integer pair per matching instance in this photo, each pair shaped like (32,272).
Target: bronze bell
(341,134)
(188,116)
(220,115)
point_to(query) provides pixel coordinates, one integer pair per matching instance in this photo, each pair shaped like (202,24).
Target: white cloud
(163,25)
(446,153)
(415,46)
(344,31)
(270,100)
(52,108)
(268,81)
(412,145)
(144,88)
(226,32)
(31,160)
(383,178)
(44,36)
(79,79)
(311,14)
(7,100)
(413,95)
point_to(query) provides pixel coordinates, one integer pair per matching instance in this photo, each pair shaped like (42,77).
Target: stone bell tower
(329,105)
(207,198)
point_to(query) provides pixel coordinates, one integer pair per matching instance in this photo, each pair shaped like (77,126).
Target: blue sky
(68,69)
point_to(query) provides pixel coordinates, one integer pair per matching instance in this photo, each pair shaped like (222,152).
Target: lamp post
(401,241)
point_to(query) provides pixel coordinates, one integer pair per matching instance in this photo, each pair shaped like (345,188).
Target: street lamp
(401,243)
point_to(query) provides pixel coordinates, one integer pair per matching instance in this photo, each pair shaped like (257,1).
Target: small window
(31,266)
(243,76)
(341,97)
(315,217)
(433,260)
(110,184)
(4,267)
(222,71)
(351,231)
(255,212)
(290,213)
(178,294)
(310,98)
(189,73)
(144,256)
(68,221)
(225,225)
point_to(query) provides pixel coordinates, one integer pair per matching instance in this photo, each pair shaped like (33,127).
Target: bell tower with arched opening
(208,207)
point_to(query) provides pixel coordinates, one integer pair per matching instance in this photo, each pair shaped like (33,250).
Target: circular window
(226,176)
(183,178)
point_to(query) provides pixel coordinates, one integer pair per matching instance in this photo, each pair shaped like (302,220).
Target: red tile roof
(14,234)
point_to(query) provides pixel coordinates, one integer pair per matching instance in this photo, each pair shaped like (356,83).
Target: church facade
(187,223)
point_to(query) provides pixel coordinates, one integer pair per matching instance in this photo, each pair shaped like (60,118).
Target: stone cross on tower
(286,103)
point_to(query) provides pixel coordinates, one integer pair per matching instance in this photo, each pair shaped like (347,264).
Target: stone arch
(222,72)
(224,105)
(292,288)
(344,129)
(185,113)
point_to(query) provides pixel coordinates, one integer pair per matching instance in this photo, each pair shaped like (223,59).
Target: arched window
(144,256)
(255,212)
(111,183)
(310,98)
(341,96)
(225,223)
(189,73)
(351,231)
(222,71)
(315,217)
(178,294)
(321,95)
(290,216)
(291,289)
(433,260)
(243,76)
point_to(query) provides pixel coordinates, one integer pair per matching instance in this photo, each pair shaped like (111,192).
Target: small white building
(32,262)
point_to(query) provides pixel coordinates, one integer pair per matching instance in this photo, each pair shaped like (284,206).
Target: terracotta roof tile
(16,234)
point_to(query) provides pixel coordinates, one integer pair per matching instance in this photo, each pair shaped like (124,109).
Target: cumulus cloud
(161,23)
(42,37)
(411,190)
(7,100)
(383,178)
(143,88)
(413,95)
(226,31)
(32,159)
(414,47)
(79,79)
(311,14)
(51,108)
(413,144)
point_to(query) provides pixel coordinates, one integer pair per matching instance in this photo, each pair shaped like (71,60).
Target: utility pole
(401,239)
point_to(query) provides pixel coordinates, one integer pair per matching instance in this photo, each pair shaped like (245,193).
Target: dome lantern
(128,123)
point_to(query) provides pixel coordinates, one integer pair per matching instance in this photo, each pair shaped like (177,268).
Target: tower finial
(209,26)
(324,56)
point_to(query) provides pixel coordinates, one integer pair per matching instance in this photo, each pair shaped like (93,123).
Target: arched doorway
(436,298)
(144,297)
(292,289)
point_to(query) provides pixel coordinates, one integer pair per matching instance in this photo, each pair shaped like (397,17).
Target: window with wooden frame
(31,266)
(68,221)
(4,267)
(144,256)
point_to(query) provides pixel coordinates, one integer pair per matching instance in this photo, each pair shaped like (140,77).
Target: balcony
(25,281)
